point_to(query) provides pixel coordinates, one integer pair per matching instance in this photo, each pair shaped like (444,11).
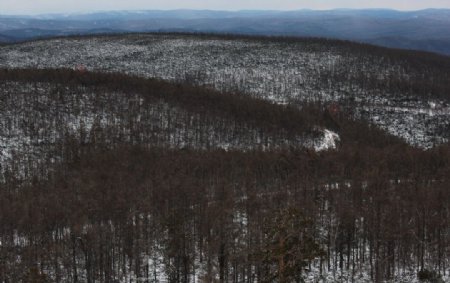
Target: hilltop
(420,30)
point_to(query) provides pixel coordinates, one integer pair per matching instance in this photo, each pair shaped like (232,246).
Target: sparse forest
(114,177)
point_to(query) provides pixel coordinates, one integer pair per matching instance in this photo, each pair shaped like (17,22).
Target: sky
(75,6)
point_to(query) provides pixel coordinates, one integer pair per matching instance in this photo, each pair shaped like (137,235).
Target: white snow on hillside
(277,71)
(37,118)
(329,141)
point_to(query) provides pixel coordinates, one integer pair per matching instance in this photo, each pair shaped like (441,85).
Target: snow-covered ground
(278,71)
(329,141)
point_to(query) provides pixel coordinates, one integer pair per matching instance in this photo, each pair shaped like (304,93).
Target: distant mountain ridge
(427,30)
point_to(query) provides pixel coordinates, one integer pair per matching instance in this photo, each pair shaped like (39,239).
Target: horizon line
(87,12)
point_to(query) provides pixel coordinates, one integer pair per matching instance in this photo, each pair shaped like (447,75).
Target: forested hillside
(215,162)
(404,92)
(43,108)
(159,215)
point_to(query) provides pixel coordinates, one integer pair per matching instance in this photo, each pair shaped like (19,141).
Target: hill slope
(43,113)
(250,162)
(403,92)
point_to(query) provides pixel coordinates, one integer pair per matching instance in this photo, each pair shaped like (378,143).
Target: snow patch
(329,140)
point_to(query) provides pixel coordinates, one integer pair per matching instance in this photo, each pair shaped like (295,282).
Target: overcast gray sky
(67,6)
